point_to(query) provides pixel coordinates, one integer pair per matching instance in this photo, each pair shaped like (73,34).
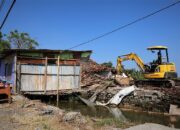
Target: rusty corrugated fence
(32,77)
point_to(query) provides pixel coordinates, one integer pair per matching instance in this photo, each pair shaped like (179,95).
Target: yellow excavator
(159,72)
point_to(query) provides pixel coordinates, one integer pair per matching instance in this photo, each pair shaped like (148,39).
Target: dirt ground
(25,114)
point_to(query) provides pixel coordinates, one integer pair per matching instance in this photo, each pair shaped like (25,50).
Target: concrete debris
(74,117)
(174,110)
(48,109)
(101,89)
(97,74)
(18,98)
(90,102)
(99,79)
(124,75)
(46,112)
(148,98)
(123,80)
(28,105)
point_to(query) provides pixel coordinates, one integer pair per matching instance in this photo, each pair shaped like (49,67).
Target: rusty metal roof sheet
(11,51)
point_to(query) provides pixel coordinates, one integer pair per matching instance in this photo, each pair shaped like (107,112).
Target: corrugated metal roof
(43,50)
(11,51)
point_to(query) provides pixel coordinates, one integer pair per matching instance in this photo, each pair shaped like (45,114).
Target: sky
(61,24)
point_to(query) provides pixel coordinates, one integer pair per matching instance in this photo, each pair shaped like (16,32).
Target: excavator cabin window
(157,69)
(161,58)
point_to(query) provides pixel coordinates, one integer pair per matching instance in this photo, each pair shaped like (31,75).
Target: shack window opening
(8,69)
(51,61)
(0,64)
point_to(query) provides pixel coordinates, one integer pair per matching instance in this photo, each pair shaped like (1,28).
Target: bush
(135,74)
(108,64)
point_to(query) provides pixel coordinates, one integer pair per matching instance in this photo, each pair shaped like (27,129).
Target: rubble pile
(93,73)
(101,85)
(173,93)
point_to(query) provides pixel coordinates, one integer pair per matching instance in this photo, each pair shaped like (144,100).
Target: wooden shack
(42,71)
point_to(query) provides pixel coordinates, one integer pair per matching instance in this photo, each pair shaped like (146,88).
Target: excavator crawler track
(158,83)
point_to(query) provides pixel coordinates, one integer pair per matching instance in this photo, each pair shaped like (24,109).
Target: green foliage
(3,43)
(21,40)
(135,74)
(108,64)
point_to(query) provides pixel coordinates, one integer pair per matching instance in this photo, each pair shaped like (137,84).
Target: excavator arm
(130,56)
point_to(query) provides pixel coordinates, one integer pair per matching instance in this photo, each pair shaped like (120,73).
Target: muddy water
(105,112)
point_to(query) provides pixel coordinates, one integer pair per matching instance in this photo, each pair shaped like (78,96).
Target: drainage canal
(72,103)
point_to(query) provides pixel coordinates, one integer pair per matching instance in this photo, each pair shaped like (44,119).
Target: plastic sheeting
(117,98)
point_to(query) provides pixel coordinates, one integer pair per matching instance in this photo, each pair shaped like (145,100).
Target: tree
(4,44)
(135,74)
(108,64)
(21,40)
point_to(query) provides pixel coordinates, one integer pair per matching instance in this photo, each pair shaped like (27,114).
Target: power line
(126,25)
(7,14)
(1,5)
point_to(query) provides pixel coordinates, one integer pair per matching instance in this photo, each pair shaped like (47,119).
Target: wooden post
(19,76)
(79,82)
(74,77)
(45,75)
(15,74)
(58,81)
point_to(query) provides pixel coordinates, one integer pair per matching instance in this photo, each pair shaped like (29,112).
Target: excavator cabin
(160,59)
(161,67)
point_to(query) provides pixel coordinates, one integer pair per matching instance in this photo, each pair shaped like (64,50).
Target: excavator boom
(131,56)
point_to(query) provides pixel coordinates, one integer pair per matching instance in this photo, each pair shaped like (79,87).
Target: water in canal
(105,112)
